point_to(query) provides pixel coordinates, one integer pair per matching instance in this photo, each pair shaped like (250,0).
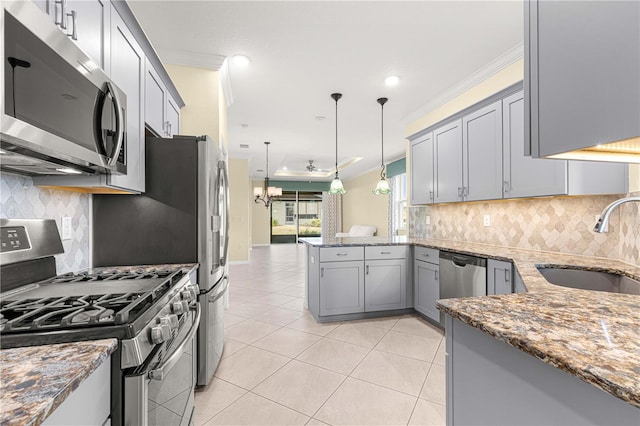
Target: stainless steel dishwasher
(461,276)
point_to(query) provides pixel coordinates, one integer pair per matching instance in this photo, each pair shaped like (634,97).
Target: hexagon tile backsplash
(20,199)
(560,224)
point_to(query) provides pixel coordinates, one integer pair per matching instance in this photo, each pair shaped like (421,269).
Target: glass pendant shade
(382,187)
(337,187)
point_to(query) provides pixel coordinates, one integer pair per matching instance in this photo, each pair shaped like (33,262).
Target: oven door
(160,391)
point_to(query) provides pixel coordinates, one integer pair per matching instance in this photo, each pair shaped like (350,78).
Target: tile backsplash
(20,199)
(561,224)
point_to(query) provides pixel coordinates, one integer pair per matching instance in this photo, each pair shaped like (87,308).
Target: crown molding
(511,56)
(192,59)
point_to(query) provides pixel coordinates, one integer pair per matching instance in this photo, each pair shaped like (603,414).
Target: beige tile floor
(280,367)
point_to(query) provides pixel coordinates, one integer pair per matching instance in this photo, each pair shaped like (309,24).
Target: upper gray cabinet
(482,153)
(479,154)
(161,112)
(128,71)
(447,162)
(582,62)
(421,169)
(86,22)
(525,176)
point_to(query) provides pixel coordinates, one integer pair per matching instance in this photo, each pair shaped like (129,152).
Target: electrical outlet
(487,220)
(67,231)
(427,220)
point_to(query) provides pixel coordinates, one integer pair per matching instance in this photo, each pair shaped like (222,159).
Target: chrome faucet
(603,222)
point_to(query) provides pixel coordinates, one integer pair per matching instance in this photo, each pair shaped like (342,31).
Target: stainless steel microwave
(61,114)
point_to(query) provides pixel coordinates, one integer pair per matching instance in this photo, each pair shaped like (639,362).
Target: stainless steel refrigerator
(181,218)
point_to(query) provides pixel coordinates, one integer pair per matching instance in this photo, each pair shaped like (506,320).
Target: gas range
(153,312)
(108,303)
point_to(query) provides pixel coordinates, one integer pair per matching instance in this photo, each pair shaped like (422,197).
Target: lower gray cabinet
(499,277)
(426,270)
(341,287)
(385,285)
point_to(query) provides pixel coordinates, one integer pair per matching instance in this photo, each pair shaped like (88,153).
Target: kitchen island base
(361,315)
(492,383)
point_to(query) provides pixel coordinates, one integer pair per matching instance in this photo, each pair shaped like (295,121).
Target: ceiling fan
(311,168)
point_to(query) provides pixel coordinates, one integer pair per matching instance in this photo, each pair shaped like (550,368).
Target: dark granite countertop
(35,380)
(592,335)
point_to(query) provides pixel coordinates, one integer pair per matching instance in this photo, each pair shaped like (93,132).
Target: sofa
(359,231)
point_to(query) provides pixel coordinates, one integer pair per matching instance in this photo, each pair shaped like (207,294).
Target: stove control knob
(185,306)
(186,295)
(173,321)
(160,333)
(195,289)
(177,308)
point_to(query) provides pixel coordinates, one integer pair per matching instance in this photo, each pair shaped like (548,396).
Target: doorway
(297,214)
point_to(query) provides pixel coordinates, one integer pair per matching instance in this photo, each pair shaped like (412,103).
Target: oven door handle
(160,372)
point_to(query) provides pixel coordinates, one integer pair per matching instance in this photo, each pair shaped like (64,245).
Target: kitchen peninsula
(591,335)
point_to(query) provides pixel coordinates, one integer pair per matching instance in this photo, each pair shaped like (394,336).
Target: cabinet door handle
(341,254)
(385,252)
(62,22)
(465,191)
(431,195)
(321,272)
(507,276)
(459,191)
(437,274)
(507,186)
(367,270)
(74,25)
(425,254)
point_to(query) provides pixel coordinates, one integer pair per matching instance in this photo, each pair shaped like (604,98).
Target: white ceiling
(301,52)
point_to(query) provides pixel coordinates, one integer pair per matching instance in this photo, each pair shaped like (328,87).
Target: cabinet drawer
(427,254)
(337,254)
(385,252)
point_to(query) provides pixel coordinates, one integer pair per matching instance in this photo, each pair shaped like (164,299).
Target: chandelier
(267,193)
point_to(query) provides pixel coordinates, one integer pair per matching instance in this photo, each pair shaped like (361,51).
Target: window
(399,204)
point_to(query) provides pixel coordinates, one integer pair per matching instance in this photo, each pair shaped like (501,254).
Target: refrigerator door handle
(223,187)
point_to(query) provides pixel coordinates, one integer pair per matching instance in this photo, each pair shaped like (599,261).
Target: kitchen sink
(591,280)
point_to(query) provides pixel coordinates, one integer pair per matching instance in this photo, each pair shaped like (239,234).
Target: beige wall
(260,226)
(200,89)
(239,210)
(361,207)
(497,82)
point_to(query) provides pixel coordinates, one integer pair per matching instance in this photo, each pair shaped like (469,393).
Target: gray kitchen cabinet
(582,62)
(155,101)
(481,369)
(525,176)
(518,284)
(161,112)
(173,117)
(447,162)
(421,169)
(86,22)
(341,287)
(89,404)
(385,281)
(426,270)
(499,277)
(482,153)
(128,72)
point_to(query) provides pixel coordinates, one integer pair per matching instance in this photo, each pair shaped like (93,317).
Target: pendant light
(336,184)
(267,193)
(383,184)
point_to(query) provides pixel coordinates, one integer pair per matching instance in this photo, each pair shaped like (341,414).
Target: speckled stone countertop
(35,380)
(592,335)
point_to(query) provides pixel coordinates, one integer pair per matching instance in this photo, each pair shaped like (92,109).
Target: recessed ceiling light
(392,80)
(284,168)
(320,117)
(240,60)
